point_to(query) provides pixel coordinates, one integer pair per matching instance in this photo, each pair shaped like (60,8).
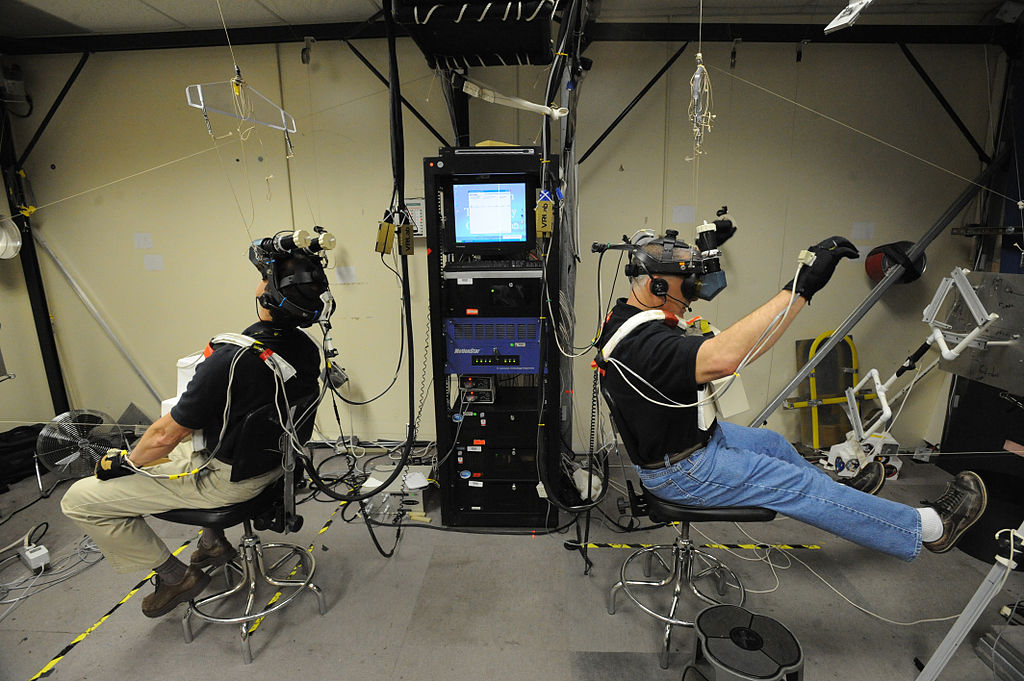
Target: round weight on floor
(733,643)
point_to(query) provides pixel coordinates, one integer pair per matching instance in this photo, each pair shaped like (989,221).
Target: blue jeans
(757,467)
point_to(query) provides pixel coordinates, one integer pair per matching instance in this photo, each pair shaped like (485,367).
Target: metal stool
(680,564)
(249,565)
(734,644)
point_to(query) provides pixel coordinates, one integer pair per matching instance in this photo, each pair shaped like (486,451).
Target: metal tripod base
(683,559)
(250,569)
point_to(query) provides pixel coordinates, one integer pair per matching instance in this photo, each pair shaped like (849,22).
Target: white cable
(17,601)
(766,558)
(600,319)
(672,404)
(57,572)
(220,437)
(535,12)
(755,348)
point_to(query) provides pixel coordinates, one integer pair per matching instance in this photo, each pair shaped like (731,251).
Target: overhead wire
(863,133)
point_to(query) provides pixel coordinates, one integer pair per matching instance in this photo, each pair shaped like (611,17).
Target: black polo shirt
(666,358)
(201,406)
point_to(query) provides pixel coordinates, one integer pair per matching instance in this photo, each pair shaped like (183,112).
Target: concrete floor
(468,606)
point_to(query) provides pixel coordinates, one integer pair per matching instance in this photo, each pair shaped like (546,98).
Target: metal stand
(681,574)
(251,570)
(988,589)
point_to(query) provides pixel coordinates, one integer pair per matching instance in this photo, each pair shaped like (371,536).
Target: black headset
(642,262)
(305,278)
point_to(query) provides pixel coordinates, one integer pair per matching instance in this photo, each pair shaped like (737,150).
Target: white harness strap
(706,408)
(636,320)
(273,360)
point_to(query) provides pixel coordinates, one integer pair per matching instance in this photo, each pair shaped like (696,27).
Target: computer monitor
(491,214)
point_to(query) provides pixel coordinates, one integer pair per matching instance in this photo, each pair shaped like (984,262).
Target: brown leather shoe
(960,506)
(213,556)
(869,480)
(167,596)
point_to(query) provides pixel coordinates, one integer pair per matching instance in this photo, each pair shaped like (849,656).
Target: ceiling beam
(1003,35)
(260,35)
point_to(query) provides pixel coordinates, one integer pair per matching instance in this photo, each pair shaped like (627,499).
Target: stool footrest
(251,571)
(681,576)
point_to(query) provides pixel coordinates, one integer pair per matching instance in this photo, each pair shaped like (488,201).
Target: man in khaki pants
(237,377)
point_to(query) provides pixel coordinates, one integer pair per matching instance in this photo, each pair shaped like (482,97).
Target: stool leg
(611,596)
(251,558)
(246,648)
(625,583)
(722,574)
(186,624)
(320,600)
(663,657)
(683,568)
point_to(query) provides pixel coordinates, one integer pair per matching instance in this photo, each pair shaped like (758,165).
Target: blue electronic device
(493,345)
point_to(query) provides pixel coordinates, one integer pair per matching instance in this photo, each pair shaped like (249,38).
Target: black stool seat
(662,511)
(224,517)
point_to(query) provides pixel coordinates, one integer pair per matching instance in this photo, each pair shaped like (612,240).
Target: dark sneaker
(960,506)
(213,556)
(167,596)
(869,480)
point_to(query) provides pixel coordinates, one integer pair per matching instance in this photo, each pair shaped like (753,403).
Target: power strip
(34,556)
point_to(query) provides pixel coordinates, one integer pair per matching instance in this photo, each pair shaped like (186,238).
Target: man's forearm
(721,355)
(158,441)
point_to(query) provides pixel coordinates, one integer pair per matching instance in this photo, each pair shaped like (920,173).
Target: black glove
(813,276)
(724,229)
(114,464)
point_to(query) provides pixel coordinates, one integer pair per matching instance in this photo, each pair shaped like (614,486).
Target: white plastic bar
(969,296)
(851,401)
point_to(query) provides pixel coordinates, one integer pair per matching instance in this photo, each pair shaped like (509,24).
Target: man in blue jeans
(657,379)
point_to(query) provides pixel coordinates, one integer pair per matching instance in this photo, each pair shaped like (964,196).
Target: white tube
(480,92)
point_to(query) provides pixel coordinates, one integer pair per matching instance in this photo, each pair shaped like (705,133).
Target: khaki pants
(111,511)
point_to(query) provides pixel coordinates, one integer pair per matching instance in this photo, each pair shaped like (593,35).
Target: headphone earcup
(691,286)
(658,287)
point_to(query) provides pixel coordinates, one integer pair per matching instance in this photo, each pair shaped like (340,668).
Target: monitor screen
(490,213)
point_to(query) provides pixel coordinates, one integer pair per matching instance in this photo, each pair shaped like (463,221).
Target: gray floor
(465,606)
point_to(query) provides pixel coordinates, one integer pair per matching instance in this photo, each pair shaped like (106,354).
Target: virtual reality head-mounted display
(699,265)
(297,292)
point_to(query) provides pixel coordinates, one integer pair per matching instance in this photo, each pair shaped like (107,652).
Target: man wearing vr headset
(237,379)
(656,378)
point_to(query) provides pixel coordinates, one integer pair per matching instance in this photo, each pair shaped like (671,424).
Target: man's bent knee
(75,497)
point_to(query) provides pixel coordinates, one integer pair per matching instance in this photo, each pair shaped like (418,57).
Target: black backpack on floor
(17,454)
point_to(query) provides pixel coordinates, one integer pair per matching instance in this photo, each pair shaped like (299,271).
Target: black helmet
(296,283)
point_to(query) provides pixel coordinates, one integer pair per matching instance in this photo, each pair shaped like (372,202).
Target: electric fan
(70,445)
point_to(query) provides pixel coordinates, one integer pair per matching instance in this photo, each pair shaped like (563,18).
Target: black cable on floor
(42,495)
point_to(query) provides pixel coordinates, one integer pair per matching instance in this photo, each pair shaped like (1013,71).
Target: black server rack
(495,363)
